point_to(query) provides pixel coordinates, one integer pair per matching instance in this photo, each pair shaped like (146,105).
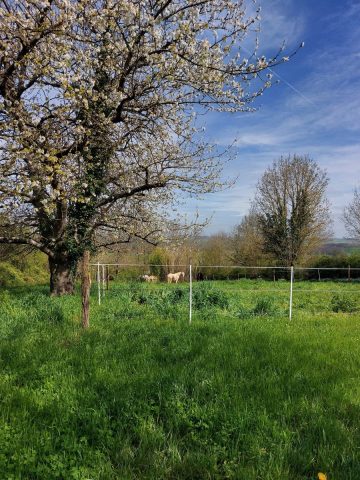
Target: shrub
(158,261)
(206,295)
(264,307)
(343,303)
(177,294)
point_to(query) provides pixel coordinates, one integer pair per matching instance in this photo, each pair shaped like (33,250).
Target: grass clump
(205,295)
(343,303)
(264,307)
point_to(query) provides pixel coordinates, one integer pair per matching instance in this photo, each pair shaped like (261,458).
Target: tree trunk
(62,276)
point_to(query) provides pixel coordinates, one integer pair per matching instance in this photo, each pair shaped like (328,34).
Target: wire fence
(287,281)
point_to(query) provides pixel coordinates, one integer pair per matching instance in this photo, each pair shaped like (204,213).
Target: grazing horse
(149,278)
(175,277)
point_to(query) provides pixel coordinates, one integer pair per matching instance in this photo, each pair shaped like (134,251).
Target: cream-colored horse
(175,277)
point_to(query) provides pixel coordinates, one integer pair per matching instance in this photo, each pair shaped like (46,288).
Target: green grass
(242,393)
(30,269)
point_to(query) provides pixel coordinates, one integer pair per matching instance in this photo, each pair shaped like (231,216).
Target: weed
(205,295)
(343,303)
(264,307)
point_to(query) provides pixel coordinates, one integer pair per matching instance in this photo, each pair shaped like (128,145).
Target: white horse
(175,277)
(149,278)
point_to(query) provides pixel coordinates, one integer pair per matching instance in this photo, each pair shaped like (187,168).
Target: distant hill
(340,245)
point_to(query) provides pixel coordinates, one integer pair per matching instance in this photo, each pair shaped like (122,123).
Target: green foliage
(205,295)
(339,261)
(23,270)
(264,307)
(158,260)
(343,303)
(10,276)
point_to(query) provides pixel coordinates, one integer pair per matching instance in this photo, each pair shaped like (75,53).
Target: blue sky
(318,115)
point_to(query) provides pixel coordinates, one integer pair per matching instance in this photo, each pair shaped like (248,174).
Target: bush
(205,296)
(339,263)
(158,261)
(264,307)
(177,295)
(343,303)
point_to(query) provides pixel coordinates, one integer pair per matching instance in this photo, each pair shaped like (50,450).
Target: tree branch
(130,193)
(27,241)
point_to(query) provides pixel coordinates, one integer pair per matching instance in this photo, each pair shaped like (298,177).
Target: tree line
(288,222)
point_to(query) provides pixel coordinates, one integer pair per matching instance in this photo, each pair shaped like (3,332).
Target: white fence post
(103,280)
(190,294)
(291,291)
(99,283)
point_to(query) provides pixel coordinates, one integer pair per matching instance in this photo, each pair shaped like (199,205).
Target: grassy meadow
(241,393)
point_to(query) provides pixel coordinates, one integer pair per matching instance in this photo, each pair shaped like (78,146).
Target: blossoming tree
(98,100)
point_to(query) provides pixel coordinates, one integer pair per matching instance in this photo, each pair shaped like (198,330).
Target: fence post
(190,294)
(99,283)
(103,280)
(291,291)
(85,289)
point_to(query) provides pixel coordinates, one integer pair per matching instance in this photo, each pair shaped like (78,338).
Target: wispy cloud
(280,24)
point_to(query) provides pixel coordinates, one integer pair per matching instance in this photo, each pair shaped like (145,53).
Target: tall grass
(143,395)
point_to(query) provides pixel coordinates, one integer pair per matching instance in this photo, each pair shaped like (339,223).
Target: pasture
(241,393)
